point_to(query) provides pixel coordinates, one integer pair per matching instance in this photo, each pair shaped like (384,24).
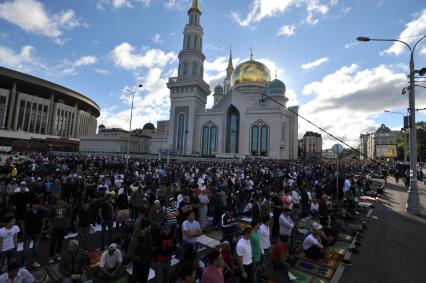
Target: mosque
(242,122)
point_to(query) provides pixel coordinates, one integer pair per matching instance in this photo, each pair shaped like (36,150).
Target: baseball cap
(316,227)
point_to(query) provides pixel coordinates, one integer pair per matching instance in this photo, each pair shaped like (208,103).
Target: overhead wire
(320,128)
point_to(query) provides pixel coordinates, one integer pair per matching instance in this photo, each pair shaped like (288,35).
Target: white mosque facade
(242,122)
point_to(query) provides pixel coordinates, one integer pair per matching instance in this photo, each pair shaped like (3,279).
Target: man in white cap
(312,244)
(110,263)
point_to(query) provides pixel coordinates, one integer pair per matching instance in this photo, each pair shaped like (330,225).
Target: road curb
(339,271)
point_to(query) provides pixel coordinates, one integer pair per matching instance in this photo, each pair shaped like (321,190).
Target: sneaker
(36,264)
(51,260)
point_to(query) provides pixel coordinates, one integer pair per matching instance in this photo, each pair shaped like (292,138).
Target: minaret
(191,58)
(229,70)
(188,91)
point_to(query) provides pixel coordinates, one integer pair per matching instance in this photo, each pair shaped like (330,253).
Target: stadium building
(37,115)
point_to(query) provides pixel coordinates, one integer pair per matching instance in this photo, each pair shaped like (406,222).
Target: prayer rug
(368,198)
(337,250)
(330,259)
(344,238)
(314,269)
(45,274)
(306,223)
(122,279)
(303,277)
(93,258)
(245,225)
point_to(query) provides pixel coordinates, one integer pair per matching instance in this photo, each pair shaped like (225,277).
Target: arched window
(205,142)
(195,42)
(254,140)
(188,41)
(181,132)
(194,70)
(233,128)
(213,140)
(264,141)
(185,70)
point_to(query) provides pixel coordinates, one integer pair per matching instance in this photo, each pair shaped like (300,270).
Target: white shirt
(110,261)
(7,236)
(244,249)
(265,237)
(286,225)
(192,227)
(346,186)
(309,241)
(23,276)
(314,206)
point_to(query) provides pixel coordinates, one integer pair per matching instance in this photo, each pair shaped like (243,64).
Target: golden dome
(251,72)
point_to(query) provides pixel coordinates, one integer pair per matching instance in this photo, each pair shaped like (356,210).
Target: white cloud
(260,9)
(351,44)
(102,71)
(314,64)
(150,104)
(119,4)
(125,56)
(10,58)
(347,101)
(31,16)
(292,97)
(287,30)
(415,27)
(177,4)
(157,38)
(423,51)
(70,68)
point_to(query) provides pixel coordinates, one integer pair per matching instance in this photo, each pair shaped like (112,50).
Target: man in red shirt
(279,254)
(213,273)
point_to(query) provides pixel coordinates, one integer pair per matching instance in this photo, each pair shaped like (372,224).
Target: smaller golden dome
(251,72)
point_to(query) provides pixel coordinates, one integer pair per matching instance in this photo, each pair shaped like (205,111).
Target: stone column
(11,107)
(51,115)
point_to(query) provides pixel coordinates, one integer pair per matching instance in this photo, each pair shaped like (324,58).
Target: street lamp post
(133,92)
(404,132)
(413,201)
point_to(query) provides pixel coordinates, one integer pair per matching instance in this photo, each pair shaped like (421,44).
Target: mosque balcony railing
(173,80)
(213,110)
(264,109)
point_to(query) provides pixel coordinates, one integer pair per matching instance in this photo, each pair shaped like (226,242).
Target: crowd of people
(153,211)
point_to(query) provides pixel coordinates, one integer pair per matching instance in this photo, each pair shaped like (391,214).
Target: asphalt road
(394,249)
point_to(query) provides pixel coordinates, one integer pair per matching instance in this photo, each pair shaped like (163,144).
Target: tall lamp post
(404,132)
(413,202)
(133,92)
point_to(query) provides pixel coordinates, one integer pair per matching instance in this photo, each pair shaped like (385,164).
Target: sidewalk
(393,249)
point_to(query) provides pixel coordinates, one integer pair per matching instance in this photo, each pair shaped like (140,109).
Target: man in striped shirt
(171,216)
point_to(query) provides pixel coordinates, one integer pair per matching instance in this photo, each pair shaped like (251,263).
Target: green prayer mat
(303,277)
(344,238)
(46,274)
(314,269)
(337,250)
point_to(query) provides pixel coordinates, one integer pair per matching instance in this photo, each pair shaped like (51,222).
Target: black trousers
(314,252)
(249,270)
(56,240)
(141,270)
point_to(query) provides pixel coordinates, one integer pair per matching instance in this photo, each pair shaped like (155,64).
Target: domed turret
(251,72)
(149,126)
(101,127)
(218,94)
(275,88)
(218,89)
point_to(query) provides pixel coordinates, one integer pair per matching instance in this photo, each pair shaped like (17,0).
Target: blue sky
(102,47)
